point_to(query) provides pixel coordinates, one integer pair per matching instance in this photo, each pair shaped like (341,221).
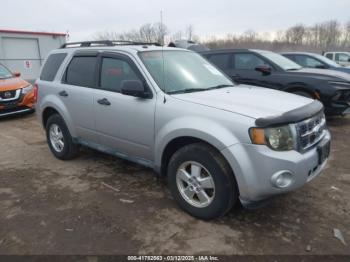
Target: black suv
(271,70)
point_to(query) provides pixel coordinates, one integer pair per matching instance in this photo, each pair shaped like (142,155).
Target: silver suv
(217,143)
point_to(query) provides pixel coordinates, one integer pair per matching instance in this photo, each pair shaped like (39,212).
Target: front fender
(193,126)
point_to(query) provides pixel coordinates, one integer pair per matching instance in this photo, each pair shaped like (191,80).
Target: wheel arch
(302,87)
(55,106)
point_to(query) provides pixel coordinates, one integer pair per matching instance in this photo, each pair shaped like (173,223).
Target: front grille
(311,131)
(8,94)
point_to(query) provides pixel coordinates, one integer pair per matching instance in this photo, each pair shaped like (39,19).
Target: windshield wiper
(218,87)
(191,90)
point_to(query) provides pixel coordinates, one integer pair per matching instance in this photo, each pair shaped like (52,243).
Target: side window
(114,71)
(330,56)
(51,66)
(341,57)
(247,61)
(81,71)
(310,62)
(220,60)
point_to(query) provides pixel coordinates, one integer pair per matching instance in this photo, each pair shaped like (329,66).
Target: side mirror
(134,88)
(349,59)
(264,69)
(321,67)
(16,74)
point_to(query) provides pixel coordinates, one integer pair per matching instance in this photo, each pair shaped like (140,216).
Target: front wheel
(201,181)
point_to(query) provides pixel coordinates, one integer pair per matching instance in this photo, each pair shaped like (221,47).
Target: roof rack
(105,43)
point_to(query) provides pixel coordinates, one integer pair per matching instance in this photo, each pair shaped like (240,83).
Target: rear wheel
(59,139)
(201,181)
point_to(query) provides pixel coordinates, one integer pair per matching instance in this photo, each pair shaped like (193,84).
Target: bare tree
(189,32)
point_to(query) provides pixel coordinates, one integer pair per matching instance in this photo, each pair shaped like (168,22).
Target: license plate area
(323,151)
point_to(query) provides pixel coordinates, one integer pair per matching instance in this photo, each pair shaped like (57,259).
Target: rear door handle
(63,93)
(104,101)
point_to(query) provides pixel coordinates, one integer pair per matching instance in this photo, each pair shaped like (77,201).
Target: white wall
(19,53)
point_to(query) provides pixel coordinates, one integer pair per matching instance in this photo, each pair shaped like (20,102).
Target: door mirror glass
(134,88)
(264,69)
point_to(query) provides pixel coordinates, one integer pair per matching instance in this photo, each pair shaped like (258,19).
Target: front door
(125,124)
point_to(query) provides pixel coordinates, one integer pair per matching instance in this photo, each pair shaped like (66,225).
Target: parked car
(271,70)
(16,95)
(311,60)
(171,110)
(342,58)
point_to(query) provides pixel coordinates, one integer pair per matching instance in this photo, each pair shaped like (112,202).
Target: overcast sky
(83,18)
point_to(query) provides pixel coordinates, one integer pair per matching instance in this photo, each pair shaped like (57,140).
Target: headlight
(27,89)
(277,138)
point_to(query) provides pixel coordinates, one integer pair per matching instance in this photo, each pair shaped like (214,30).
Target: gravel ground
(48,206)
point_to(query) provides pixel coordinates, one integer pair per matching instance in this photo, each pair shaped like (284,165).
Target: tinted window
(81,71)
(247,61)
(220,60)
(51,66)
(307,61)
(329,55)
(114,71)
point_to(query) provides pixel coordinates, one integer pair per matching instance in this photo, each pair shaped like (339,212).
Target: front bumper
(254,167)
(23,104)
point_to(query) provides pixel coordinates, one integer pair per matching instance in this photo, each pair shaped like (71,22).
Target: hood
(325,74)
(255,102)
(12,84)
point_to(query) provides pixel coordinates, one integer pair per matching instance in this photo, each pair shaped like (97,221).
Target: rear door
(125,124)
(77,93)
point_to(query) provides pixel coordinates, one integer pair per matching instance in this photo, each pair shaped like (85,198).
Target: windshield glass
(182,71)
(4,72)
(326,60)
(281,61)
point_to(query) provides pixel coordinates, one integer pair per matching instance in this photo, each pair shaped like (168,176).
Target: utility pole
(161,28)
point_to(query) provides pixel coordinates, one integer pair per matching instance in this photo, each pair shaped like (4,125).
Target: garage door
(22,55)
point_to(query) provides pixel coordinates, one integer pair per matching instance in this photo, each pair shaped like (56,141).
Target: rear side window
(81,71)
(51,66)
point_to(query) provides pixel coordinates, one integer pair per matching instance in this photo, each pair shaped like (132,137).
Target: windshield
(326,60)
(281,61)
(178,71)
(4,72)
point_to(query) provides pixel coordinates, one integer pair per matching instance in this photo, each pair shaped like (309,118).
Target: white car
(342,58)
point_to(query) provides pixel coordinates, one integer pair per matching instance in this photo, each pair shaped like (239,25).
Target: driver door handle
(104,101)
(63,93)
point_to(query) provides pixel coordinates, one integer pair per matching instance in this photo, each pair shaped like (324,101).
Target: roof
(126,48)
(298,53)
(233,50)
(7,31)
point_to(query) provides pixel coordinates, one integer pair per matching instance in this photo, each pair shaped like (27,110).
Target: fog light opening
(282,179)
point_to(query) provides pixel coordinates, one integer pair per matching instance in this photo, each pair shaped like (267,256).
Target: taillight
(36,90)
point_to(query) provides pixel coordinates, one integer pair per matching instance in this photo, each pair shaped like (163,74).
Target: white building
(24,51)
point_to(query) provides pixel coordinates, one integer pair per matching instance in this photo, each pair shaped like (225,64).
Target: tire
(304,94)
(211,162)
(69,149)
